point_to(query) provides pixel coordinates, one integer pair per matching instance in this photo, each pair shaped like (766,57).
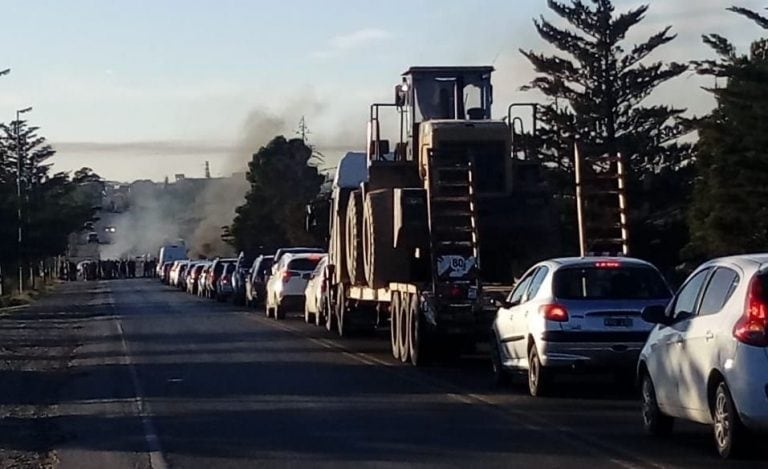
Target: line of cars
(700,354)
(288,281)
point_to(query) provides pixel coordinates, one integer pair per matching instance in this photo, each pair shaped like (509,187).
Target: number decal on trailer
(454,266)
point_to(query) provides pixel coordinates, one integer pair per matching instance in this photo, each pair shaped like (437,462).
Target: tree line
(696,187)
(53,205)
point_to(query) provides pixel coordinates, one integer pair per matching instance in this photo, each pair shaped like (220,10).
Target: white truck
(170,253)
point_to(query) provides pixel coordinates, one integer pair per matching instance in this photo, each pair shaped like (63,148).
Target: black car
(239,277)
(256,282)
(217,270)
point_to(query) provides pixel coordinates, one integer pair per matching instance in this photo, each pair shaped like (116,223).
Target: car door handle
(709,336)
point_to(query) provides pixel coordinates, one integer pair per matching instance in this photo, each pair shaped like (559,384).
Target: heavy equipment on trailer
(410,225)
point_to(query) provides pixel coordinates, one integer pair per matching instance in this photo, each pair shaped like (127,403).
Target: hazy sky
(145,89)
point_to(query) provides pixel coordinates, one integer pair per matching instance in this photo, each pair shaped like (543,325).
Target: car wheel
(728,430)
(500,375)
(279,312)
(654,421)
(538,376)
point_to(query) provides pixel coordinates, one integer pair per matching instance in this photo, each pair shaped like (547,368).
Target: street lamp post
(3,72)
(19,168)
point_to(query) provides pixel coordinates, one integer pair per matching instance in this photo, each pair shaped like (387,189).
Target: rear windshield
(304,265)
(230,268)
(618,283)
(264,266)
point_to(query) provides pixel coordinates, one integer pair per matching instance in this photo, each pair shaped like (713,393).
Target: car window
(612,281)
(516,297)
(685,303)
(536,282)
(720,288)
(319,269)
(303,264)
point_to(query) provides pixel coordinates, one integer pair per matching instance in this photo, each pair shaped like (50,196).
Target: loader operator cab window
(462,97)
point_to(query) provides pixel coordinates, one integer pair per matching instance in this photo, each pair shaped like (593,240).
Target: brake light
(607,265)
(752,327)
(287,275)
(555,313)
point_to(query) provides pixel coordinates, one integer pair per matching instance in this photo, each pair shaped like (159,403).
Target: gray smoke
(145,227)
(195,210)
(218,202)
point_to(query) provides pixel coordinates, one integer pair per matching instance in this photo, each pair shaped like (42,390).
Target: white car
(707,358)
(315,294)
(285,288)
(576,314)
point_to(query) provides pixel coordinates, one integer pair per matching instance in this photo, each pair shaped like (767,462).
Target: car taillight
(555,313)
(287,275)
(752,327)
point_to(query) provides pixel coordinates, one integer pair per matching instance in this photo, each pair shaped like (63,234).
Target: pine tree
(53,205)
(595,88)
(283,181)
(729,213)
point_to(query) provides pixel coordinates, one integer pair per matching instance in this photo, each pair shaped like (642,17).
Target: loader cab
(430,94)
(446,93)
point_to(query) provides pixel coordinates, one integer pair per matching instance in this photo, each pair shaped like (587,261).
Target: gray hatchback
(576,313)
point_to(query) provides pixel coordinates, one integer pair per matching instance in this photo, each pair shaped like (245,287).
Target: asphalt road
(163,379)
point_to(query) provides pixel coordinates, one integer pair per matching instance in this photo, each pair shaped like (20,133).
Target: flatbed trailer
(422,326)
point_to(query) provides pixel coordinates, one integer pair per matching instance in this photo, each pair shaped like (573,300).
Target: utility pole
(19,169)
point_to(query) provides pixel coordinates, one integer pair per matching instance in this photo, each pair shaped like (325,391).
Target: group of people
(108,269)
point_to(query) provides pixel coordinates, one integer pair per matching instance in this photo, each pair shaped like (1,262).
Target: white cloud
(344,43)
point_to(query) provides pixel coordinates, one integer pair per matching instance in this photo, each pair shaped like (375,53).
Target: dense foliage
(53,204)
(729,213)
(595,88)
(283,180)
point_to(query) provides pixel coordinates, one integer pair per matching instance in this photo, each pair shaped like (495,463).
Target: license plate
(618,322)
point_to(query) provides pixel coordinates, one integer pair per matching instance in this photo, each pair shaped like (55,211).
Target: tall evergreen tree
(729,213)
(283,181)
(54,205)
(596,87)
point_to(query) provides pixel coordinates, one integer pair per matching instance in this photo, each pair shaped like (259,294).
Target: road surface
(151,377)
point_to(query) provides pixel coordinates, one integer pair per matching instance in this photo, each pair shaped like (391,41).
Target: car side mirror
(503,304)
(656,314)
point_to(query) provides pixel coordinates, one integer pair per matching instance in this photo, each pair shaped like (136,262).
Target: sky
(147,89)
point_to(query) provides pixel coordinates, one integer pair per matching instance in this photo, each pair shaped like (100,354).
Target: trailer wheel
(403,332)
(394,327)
(330,317)
(343,325)
(416,332)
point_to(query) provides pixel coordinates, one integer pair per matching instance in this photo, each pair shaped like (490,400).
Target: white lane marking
(534,423)
(156,458)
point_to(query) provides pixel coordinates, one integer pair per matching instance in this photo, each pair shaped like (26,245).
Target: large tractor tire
(383,263)
(354,238)
(338,248)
